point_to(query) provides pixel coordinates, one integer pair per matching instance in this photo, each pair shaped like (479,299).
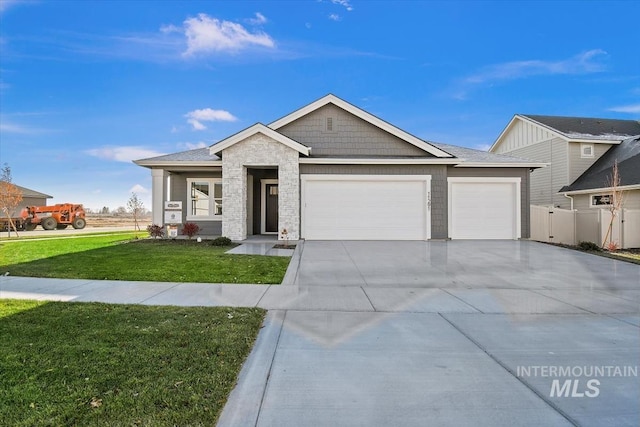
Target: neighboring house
(571,145)
(30,198)
(331,171)
(593,188)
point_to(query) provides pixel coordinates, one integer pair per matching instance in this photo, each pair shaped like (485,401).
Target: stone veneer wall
(259,150)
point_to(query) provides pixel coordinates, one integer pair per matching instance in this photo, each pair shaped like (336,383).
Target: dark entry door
(271,208)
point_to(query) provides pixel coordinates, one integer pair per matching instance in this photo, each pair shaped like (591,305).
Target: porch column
(158,194)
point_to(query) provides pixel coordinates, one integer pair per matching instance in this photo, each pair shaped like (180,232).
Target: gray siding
(27,201)
(179,192)
(438,185)
(546,182)
(577,164)
(521,173)
(352,136)
(631,200)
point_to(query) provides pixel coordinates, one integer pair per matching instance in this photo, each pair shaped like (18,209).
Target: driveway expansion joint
(514,374)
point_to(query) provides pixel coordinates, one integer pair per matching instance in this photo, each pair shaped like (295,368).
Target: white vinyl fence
(556,225)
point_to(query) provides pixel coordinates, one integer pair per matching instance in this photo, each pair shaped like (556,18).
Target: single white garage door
(365,207)
(484,208)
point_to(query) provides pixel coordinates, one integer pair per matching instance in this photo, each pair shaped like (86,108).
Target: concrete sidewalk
(467,352)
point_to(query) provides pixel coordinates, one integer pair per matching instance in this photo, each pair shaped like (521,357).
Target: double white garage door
(398,207)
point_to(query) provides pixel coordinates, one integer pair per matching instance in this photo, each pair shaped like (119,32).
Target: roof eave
(593,190)
(382,161)
(174,163)
(253,130)
(502,165)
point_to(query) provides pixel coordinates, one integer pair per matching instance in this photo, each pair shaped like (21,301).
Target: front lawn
(115,257)
(103,364)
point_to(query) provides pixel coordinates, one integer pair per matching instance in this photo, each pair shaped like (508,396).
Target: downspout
(570,198)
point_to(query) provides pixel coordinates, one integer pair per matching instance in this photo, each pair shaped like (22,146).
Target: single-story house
(29,198)
(331,170)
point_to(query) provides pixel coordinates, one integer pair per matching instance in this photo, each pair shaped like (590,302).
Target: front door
(271,208)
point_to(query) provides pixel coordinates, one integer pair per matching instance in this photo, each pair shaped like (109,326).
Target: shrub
(589,246)
(221,241)
(155,230)
(190,229)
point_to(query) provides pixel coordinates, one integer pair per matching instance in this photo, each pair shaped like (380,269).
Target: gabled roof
(577,129)
(599,174)
(253,130)
(197,157)
(589,128)
(332,99)
(27,192)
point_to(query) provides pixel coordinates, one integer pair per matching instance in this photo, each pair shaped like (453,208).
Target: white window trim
(591,205)
(211,182)
(587,156)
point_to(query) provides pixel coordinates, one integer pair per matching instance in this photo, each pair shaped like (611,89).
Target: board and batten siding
(546,182)
(351,136)
(438,185)
(578,165)
(521,173)
(522,134)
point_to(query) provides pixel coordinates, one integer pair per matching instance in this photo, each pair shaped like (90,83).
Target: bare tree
(10,197)
(136,207)
(617,199)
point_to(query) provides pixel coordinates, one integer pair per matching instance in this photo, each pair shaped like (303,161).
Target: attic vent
(329,124)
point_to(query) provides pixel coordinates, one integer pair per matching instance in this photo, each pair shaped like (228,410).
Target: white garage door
(484,208)
(365,207)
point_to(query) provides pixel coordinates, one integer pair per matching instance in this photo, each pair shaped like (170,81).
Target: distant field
(112,220)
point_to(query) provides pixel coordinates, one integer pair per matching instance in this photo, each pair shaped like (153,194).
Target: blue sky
(88,86)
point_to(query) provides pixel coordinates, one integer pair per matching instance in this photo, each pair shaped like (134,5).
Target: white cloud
(5,4)
(334,17)
(196,117)
(583,63)
(205,34)
(632,108)
(482,147)
(192,145)
(258,20)
(344,3)
(138,189)
(123,153)
(586,62)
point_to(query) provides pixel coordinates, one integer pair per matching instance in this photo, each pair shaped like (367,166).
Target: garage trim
(425,179)
(515,181)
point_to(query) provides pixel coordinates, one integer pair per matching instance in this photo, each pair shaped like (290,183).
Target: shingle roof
(27,192)
(589,128)
(599,174)
(471,155)
(196,155)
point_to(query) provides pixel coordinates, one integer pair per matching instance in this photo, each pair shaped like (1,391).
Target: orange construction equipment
(54,216)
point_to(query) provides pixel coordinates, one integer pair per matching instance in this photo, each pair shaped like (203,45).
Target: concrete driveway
(486,333)
(495,333)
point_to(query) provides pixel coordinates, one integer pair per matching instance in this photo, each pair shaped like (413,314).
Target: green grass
(106,365)
(115,257)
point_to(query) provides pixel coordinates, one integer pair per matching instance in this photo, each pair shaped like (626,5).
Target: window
(598,200)
(205,198)
(586,151)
